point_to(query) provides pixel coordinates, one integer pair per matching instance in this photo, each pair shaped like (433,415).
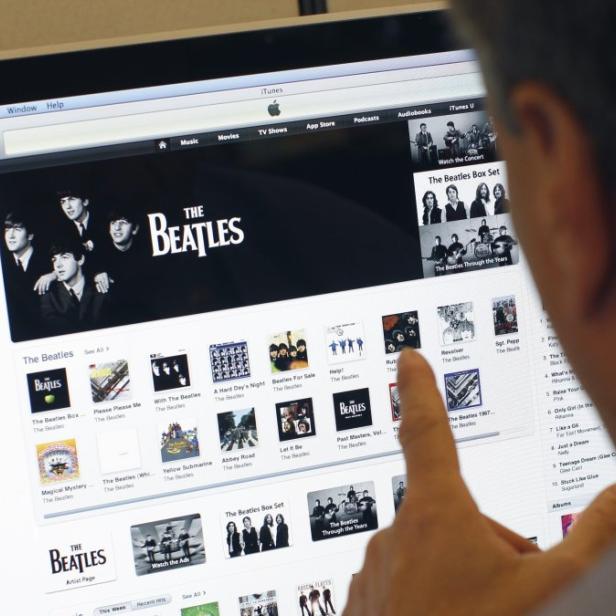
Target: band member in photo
(438,255)
(184,543)
(503,244)
(122,265)
(489,137)
(366,503)
(452,140)
(456,250)
(455,209)
(481,205)
(318,513)
(72,303)
(501,205)
(331,509)
(327,599)
(249,537)
(149,545)
(473,138)
(424,143)
(282,532)
(484,232)
(314,596)
(399,494)
(24,265)
(234,542)
(266,534)
(303,605)
(432,213)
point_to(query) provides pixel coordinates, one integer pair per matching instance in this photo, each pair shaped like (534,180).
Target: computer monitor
(214,250)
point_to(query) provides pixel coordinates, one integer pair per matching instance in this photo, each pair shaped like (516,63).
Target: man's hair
(18,218)
(66,246)
(566,45)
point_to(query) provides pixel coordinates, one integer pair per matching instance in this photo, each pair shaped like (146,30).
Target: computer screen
(206,286)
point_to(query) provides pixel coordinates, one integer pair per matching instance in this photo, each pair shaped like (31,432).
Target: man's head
(122,228)
(454,238)
(437,240)
(67,259)
(18,233)
(451,126)
(550,72)
(452,192)
(423,128)
(73,203)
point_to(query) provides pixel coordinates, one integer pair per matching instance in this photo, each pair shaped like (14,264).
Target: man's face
(65,266)
(73,207)
(17,238)
(121,231)
(452,194)
(430,200)
(424,128)
(437,241)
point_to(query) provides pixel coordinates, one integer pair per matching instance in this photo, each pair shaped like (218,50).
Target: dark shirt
(501,206)
(434,216)
(265,538)
(282,535)
(478,209)
(251,542)
(459,213)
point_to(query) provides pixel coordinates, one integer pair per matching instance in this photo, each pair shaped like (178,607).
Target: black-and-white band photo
(342,510)
(169,371)
(256,529)
(452,139)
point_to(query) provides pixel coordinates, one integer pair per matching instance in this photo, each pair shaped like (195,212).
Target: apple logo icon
(273,109)
(50,399)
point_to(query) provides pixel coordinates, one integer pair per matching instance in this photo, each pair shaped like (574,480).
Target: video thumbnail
(456,323)
(295,419)
(229,361)
(179,441)
(463,390)
(400,331)
(169,372)
(343,510)
(48,390)
(110,381)
(288,351)
(345,343)
(352,409)
(505,315)
(237,430)
(168,544)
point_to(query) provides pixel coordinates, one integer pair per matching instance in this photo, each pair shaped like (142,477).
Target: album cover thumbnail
(352,409)
(118,450)
(288,351)
(505,315)
(169,372)
(394,401)
(237,430)
(345,343)
(229,361)
(343,510)
(567,521)
(317,599)
(205,609)
(401,330)
(456,323)
(110,381)
(168,544)
(398,486)
(48,390)
(463,389)
(259,604)
(295,419)
(256,529)
(58,461)
(179,441)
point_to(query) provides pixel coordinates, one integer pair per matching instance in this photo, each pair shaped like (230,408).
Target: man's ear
(86,202)
(135,230)
(30,236)
(81,260)
(571,210)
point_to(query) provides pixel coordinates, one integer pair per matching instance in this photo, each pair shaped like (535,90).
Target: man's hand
(41,286)
(102,282)
(441,555)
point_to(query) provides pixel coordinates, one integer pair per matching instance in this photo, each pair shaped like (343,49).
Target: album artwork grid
(93,265)
(238,429)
